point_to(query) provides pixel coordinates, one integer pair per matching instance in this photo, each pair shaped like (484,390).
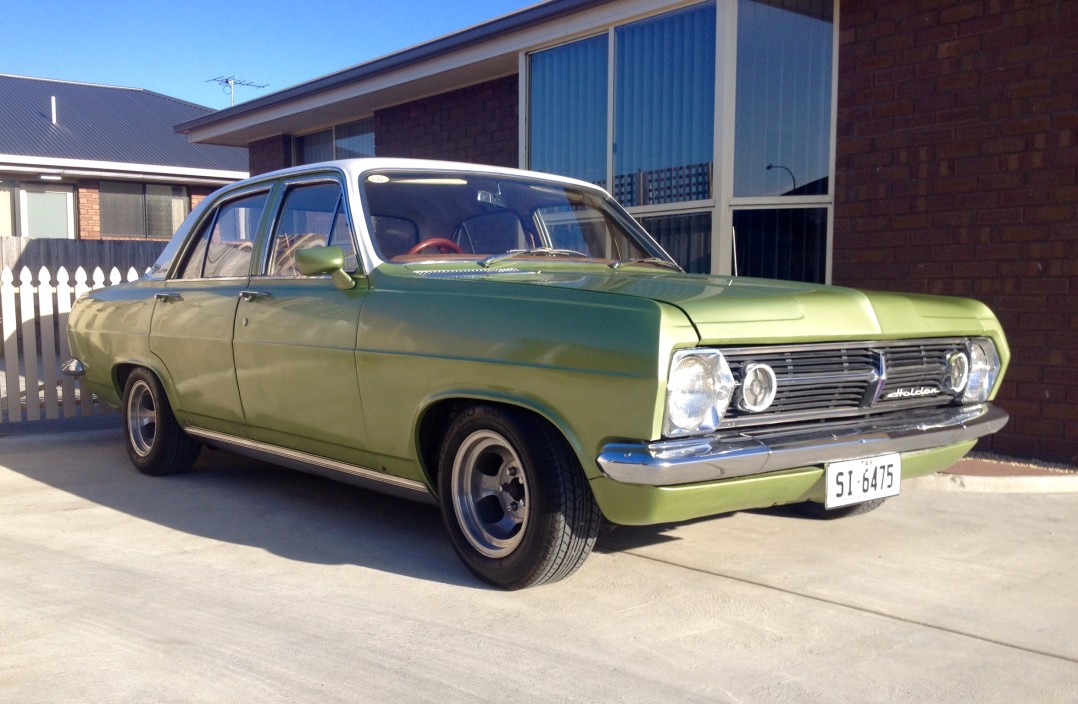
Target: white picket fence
(33,318)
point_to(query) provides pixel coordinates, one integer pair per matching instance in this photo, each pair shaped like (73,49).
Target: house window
(347,141)
(633,110)
(314,147)
(783,132)
(685,237)
(141,209)
(700,140)
(664,108)
(781,243)
(47,212)
(662,113)
(783,139)
(354,140)
(568,110)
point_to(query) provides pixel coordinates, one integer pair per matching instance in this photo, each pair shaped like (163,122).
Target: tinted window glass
(226,241)
(782,243)
(664,110)
(783,125)
(567,100)
(312,216)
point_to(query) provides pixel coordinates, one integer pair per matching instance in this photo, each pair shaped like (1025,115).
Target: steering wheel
(443,246)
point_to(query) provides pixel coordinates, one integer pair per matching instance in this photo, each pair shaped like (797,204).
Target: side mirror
(317,261)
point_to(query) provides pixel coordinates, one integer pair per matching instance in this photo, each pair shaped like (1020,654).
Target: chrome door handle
(166,297)
(254,295)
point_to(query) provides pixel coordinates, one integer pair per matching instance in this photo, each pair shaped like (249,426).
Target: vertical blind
(568,108)
(665,107)
(783,111)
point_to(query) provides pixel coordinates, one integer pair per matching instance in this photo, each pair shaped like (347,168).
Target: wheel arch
(438,413)
(121,371)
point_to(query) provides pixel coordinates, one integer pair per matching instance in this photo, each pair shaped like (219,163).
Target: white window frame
(24,210)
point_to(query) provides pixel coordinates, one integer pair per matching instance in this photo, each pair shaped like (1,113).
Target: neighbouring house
(82,162)
(927,145)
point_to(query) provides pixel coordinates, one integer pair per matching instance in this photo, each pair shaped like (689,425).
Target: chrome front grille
(846,379)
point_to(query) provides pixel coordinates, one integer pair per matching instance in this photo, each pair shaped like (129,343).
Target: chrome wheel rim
(141,418)
(490,497)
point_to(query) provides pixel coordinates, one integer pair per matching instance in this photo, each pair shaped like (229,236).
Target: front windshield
(422,215)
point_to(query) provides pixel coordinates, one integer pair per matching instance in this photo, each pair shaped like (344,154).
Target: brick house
(89,162)
(924,145)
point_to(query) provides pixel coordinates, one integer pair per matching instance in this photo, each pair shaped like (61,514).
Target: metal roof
(97,123)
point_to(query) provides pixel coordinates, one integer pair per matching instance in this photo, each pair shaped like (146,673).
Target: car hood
(730,309)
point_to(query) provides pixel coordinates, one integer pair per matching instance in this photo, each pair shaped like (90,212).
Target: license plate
(856,481)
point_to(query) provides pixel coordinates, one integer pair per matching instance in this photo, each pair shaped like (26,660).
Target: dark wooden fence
(17,252)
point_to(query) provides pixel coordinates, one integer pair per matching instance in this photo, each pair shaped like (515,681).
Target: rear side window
(312,216)
(226,241)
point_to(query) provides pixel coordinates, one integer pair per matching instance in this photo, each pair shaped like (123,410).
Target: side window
(225,242)
(312,216)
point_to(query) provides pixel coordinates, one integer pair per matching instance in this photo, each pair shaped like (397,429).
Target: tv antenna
(229,83)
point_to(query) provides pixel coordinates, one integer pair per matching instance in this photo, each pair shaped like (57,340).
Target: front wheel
(156,443)
(514,499)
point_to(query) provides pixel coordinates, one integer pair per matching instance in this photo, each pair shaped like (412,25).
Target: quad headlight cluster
(701,388)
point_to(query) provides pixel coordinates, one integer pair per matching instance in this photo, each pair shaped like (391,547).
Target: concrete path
(243,582)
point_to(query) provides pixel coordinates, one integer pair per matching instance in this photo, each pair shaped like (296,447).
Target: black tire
(514,499)
(156,443)
(815,510)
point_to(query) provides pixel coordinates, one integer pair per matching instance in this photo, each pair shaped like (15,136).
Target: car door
(194,314)
(295,336)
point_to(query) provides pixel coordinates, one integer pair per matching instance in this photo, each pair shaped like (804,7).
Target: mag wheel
(156,443)
(514,499)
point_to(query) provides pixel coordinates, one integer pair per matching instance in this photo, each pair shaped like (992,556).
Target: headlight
(956,372)
(983,370)
(698,392)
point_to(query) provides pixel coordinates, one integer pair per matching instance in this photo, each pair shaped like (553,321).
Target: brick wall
(956,174)
(475,124)
(198,194)
(269,154)
(88,202)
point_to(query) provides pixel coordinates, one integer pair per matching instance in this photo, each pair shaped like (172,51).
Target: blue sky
(174,48)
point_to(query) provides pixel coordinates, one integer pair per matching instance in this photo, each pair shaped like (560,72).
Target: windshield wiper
(647,260)
(546,251)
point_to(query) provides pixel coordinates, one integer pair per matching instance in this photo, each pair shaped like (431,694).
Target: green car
(515,348)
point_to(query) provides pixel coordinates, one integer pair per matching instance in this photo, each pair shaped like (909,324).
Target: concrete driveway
(243,582)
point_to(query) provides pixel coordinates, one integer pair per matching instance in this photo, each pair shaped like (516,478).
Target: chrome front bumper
(741,453)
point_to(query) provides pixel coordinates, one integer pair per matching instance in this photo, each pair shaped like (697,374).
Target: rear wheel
(156,443)
(815,510)
(514,499)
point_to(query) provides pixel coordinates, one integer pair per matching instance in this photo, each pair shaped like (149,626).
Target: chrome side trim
(313,464)
(73,368)
(725,455)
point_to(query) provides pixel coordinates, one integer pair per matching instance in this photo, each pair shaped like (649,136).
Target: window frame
(722,204)
(143,186)
(332,129)
(276,209)
(209,221)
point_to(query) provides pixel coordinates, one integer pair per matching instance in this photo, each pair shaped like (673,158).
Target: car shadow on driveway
(238,500)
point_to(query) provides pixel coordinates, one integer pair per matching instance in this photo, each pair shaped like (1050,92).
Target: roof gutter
(119,170)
